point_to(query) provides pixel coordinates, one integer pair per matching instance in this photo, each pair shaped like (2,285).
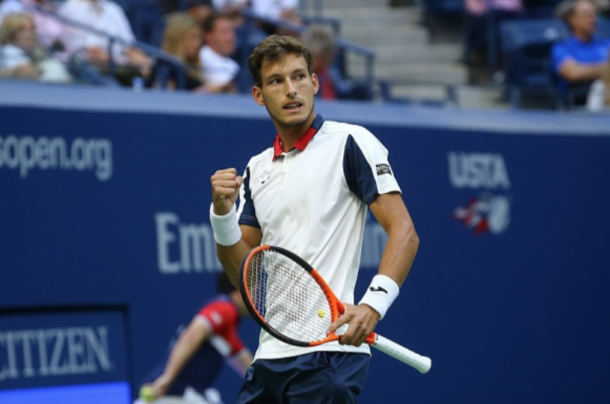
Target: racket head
(287,297)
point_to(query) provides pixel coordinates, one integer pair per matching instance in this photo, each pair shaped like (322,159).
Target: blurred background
(114,115)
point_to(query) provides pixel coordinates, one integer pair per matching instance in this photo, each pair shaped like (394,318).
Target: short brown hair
(208,23)
(272,49)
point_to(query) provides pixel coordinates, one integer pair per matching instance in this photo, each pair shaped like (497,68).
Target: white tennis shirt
(312,201)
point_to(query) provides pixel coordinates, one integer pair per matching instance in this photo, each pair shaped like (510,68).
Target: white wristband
(381,294)
(226,228)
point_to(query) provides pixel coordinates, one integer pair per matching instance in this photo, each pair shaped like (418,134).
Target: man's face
(222,37)
(287,90)
(584,19)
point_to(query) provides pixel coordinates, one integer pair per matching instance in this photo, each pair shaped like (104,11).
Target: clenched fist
(225,189)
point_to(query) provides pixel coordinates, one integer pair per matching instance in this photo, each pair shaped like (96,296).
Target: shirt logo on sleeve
(383,169)
(216,318)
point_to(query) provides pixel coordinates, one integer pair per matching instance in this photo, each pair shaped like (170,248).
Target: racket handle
(420,363)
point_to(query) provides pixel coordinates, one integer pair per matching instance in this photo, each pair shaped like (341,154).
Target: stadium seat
(526,46)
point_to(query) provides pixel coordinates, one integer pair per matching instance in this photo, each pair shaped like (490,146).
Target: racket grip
(419,362)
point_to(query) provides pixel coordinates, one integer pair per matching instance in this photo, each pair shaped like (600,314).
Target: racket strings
(288,297)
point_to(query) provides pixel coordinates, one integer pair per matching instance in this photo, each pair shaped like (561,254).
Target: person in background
(196,9)
(277,9)
(196,357)
(479,42)
(21,56)
(320,40)
(581,58)
(281,10)
(183,39)
(321,43)
(51,33)
(231,8)
(219,70)
(272,9)
(199,10)
(108,17)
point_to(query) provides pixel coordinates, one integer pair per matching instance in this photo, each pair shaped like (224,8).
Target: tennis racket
(292,302)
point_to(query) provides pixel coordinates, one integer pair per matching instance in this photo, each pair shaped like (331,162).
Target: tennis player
(309,193)
(200,350)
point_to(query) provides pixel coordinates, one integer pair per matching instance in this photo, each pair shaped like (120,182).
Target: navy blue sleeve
(358,172)
(246,212)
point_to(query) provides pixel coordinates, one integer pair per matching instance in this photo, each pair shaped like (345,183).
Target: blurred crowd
(578,62)
(204,44)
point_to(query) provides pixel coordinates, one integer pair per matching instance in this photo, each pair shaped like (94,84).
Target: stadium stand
(405,62)
(527,51)
(527,54)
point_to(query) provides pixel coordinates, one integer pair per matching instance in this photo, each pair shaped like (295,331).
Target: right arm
(573,71)
(225,190)
(231,257)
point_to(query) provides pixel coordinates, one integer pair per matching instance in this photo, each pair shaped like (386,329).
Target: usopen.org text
(26,153)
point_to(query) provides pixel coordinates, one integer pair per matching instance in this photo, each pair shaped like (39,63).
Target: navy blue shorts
(319,377)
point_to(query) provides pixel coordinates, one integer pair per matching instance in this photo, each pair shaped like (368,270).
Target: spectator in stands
(219,70)
(320,40)
(598,98)
(272,9)
(107,17)
(284,10)
(51,33)
(231,8)
(581,58)
(277,9)
(182,38)
(199,10)
(21,55)
(477,36)
(321,43)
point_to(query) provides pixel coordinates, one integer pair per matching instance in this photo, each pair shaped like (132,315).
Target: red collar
(301,144)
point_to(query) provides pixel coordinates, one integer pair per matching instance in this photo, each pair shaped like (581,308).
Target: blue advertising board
(105,199)
(63,356)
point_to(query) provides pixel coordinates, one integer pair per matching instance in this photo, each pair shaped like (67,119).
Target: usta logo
(478,170)
(487,212)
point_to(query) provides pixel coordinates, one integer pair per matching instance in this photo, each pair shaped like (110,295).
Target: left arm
(398,255)
(403,242)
